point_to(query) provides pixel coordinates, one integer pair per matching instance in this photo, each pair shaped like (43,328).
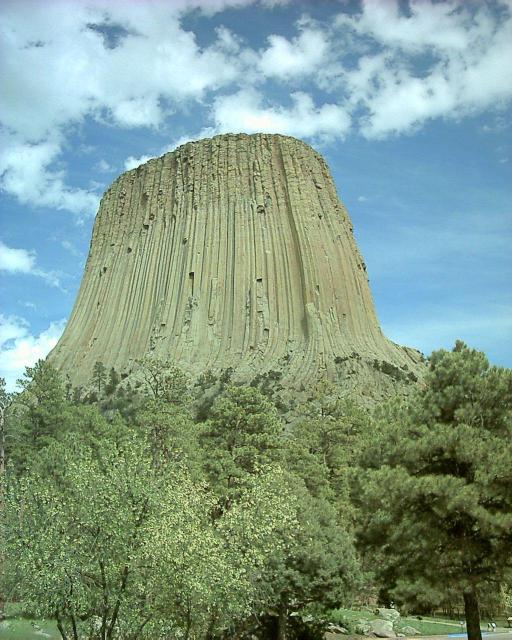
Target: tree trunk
(282,621)
(472,615)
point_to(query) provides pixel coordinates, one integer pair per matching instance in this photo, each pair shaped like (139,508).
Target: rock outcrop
(233,251)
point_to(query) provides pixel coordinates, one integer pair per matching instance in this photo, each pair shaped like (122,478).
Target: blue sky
(409,102)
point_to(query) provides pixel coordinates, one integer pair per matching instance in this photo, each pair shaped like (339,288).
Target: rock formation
(233,251)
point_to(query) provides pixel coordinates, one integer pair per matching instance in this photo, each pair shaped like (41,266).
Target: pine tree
(38,414)
(437,495)
(99,375)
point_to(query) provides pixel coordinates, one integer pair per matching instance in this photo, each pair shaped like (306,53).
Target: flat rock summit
(233,251)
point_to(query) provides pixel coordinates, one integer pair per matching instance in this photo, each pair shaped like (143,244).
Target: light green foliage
(74,536)
(437,498)
(115,544)
(245,433)
(172,433)
(506,598)
(5,401)
(211,574)
(165,381)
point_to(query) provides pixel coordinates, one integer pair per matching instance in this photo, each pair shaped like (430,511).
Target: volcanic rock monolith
(233,251)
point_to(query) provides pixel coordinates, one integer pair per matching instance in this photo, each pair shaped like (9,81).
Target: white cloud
(104,167)
(246,111)
(131,162)
(70,248)
(16,260)
(26,174)
(20,349)
(299,57)
(442,25)
(441,60)
(22,261)
(57,71)
(133,64)
(27,304)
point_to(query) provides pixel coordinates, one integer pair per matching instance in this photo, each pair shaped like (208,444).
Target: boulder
(382,629)
(389,614)
(410,631)
(336,628)
(363,627)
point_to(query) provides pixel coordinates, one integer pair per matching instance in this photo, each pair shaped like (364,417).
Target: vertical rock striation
(233,251)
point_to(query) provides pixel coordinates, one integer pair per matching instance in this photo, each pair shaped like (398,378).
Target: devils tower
(233,251)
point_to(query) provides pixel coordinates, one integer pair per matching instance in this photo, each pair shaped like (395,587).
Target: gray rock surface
(363,627)
(409,631)
(383,628)
(336,628)
(389,614)
(233,251)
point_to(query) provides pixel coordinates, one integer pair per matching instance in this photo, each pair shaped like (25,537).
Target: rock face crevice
(233,251)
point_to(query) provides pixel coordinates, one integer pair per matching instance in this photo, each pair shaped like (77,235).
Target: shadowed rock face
(230,252)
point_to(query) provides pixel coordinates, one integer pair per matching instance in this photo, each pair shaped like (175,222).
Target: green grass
(23,629)
(426,626)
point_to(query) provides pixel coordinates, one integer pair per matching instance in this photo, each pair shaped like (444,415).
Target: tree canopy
(436,497)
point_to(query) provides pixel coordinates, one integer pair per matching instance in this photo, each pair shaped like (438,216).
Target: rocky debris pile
(387,625)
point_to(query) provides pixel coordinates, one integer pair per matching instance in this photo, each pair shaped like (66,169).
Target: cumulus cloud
(19,348)
(438,60)
(383,70)
(131,162)
(299,57)
(62,65)
(17,261)
(441,25)
(26,173)
(247,111)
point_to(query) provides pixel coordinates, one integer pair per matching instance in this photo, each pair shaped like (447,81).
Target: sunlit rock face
(233,251)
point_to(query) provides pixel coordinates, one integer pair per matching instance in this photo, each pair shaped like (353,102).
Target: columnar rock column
(229,252)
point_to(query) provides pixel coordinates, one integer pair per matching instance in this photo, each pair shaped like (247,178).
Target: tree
(113,381)
(243,434)
(99,375)
(436,497)
(165,381)
(74,533)
(114,547)
(320,571)
(171,432)
(38,414)
(211,576)
(322,445)
(5,401)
